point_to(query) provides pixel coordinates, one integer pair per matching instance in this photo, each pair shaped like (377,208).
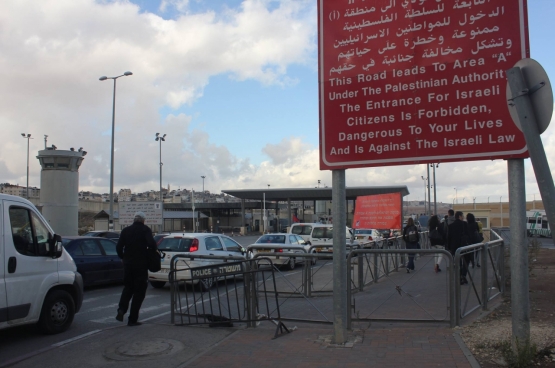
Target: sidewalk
(308,345)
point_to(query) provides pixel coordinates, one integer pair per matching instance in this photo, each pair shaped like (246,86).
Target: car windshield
(175,244)
(280,239)
(302,230)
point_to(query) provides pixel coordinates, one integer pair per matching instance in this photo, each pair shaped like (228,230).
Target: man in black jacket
(133,243)
(457,237)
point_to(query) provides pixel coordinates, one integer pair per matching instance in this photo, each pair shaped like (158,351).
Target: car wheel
(57,312)
(291,263)
(157,284)
(206,284)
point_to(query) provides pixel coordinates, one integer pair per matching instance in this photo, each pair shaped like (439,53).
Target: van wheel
(57,312)
(157,284)
(206,284)
(291,263)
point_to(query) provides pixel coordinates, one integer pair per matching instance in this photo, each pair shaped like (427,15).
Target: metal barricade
(484,282)
(404,297)
(224,291)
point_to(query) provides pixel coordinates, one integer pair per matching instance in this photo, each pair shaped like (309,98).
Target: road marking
(95,309)
(61,343)
(88,300)
(112,319)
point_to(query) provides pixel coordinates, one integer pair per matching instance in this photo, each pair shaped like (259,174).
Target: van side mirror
(55,246)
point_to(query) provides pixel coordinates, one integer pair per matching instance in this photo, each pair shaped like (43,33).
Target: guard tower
(59,188)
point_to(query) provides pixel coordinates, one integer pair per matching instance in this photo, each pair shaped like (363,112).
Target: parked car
(368,235)
(320,235)
(39,282)
(199,244)
(296,245)
(158,237)
(114,235)
(96,259)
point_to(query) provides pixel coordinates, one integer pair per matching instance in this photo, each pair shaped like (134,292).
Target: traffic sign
(416,81)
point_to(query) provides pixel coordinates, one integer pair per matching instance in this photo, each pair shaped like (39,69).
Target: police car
(193,244)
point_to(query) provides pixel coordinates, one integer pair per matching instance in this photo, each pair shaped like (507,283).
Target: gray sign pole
(530,130)
(338,195)
(519,258)
(429,210)
(520,306)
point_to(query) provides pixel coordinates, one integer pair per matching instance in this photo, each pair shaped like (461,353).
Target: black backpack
(412,234)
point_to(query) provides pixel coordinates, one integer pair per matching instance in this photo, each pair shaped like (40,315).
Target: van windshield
(322,232)
(175,244)
(302,230)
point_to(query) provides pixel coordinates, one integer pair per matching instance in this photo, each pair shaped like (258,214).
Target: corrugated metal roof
(298,194)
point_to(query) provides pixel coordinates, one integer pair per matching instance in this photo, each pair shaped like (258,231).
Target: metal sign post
(338,194)
(530,118)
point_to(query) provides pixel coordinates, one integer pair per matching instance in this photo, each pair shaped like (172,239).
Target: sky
(233,84)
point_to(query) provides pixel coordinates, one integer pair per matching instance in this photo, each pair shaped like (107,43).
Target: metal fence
(235,297)
(379,289)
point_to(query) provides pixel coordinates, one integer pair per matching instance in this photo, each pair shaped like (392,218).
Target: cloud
(53,53)
(285,150)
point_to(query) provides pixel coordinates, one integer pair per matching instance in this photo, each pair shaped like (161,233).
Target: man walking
(457,237)
(133,243)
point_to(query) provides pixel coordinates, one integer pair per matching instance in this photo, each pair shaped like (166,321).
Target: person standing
(450,217)
(437,239)
(411,238)
(474,231)
(133,244)
(457,237)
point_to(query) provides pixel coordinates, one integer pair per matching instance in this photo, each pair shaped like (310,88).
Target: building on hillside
(124,195)
(18,190)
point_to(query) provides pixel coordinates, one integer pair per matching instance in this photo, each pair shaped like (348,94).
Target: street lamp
(425,187)
(203,177)
(161,138)
(318,183)
(268,186)
(456,200)
(103,78)
(27,136)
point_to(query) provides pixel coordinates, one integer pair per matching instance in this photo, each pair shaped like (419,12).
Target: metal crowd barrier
(267,293)
(485,282)
(222,306)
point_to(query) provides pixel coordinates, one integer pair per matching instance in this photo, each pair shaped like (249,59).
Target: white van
(320,235)
(39,281)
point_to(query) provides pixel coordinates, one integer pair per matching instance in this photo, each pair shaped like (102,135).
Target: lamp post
(456,200)
(161,138)
(501,210)
(45,140)
(463,199)
(203,177)
(103,78)
(425,188)
(27,136)
(318,183)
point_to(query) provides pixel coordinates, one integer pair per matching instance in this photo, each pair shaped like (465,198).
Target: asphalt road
(97,313)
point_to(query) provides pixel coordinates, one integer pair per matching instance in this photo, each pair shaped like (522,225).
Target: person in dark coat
(436,243)
(133,244)
(458,236)
(473,230)
(411,238)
